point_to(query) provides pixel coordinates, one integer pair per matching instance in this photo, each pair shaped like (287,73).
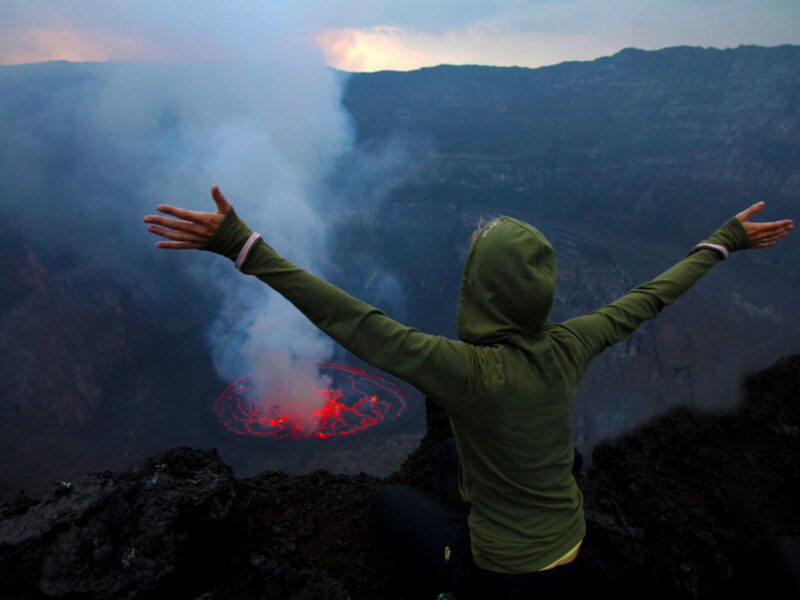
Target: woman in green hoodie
(506,384)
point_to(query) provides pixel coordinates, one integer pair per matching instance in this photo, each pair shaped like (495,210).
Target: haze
(357,35)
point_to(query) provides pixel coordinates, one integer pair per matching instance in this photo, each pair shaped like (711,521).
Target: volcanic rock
(672,509)
(165,528)
(673,506)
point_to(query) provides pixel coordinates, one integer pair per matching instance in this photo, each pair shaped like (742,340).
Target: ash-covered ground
(671,509)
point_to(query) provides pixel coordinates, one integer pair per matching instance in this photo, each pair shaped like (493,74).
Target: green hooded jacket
(507,385)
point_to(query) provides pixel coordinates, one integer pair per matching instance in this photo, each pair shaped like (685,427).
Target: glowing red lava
(358,401)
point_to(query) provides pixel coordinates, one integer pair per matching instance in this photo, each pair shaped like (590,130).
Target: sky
(371,35)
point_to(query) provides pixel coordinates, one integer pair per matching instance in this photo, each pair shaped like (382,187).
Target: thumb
(223,206)
(749,212)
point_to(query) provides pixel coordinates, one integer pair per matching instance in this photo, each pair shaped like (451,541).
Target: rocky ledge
(672,508)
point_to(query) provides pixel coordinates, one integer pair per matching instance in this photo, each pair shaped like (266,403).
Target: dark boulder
(165,527)
(672,506)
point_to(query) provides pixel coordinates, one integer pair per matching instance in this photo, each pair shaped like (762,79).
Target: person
(508,520)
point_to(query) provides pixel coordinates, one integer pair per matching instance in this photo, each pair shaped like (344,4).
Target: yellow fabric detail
(558,560)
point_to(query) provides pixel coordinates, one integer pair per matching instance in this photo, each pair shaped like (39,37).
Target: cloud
(384,48)
(369,35)
(18,45)
(175,31)
(544,33)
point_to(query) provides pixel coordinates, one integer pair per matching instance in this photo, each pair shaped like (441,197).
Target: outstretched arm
(608,325)
(437,366)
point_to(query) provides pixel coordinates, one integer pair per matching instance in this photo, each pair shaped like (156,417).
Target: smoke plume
(245,102)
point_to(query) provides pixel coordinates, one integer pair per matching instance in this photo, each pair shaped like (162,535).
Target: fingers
(179,245)
(181,236)
(762,244)
(749,212)
(223,205)
(773,227)
(194,216)
(176,224)
(768,239)
(760,235)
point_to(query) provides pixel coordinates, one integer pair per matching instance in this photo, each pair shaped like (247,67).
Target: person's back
(516,451)
(513,429)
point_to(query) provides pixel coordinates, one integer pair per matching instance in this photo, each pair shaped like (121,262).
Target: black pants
(426,526)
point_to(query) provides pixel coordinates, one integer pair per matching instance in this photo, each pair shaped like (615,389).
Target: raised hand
(189,228)
(763,235)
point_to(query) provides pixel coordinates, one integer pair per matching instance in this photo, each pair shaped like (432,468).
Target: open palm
(763,235)
(188,228)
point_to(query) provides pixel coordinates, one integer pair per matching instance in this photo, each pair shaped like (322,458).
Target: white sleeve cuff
(246,249)
(718,247)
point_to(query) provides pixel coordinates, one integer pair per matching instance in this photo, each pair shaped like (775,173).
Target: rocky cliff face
(677,501)
(51,312)
(671,509)
(624,163)
(639,127)
(80,360)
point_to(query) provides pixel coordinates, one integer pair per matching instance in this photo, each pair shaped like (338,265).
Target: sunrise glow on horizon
(351,49)
(40,45)
(353,36)
(398,49)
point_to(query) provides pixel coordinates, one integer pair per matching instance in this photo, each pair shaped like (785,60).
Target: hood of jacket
(508,284)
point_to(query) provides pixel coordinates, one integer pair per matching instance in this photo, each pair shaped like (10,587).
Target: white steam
(295,387)
(269,155)
(265,124)
(268,133)
(244,101)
